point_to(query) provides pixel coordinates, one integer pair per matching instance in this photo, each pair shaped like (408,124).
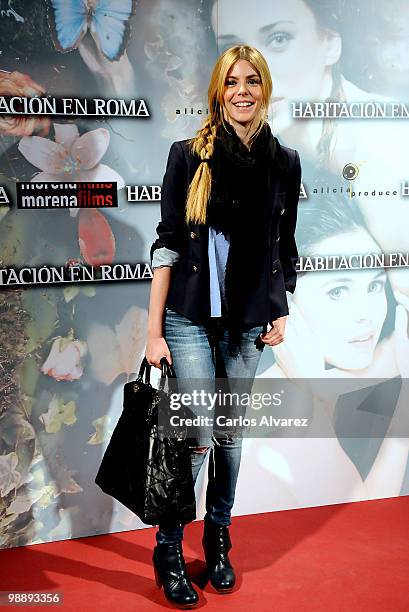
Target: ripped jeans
(205,352)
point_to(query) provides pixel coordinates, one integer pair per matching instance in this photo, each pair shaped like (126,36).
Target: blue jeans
(206,352)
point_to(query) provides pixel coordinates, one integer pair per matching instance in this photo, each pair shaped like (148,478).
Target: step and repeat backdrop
(92,95)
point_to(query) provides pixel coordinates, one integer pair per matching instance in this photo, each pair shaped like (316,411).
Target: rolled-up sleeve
(288,248)
(164,257)
(170,230)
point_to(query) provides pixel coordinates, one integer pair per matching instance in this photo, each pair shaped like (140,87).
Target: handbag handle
(167,371)
(145,371)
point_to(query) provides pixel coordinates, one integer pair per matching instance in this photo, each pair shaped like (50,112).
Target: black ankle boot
(216,544)
(170,571)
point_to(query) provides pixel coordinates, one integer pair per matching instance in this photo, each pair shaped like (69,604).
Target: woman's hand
(276,334)
(156,348)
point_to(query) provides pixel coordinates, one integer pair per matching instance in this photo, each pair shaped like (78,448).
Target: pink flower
(71,157)
(64,360)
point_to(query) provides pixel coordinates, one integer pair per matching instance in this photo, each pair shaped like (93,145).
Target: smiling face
(298,53)
(243,95)
(345,309)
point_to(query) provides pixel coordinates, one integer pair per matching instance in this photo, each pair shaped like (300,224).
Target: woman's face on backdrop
(286,33)
(242,93)
(345,309)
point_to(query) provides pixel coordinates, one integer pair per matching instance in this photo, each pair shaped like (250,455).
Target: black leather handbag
(145,467)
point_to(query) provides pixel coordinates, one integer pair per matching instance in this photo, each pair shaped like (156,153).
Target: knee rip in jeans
(199,449)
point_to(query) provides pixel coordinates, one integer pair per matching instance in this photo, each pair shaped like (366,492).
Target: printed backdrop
(66,351)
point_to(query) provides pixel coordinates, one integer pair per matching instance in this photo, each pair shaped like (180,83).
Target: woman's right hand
(156,349)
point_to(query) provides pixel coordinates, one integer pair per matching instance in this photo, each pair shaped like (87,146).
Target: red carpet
(330,558)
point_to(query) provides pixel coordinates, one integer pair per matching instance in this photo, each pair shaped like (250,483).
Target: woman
(368,342)
(302,43)
(223,262)
(360,300)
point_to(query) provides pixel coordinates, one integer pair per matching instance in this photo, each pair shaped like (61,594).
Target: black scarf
(237,174)
(238,208)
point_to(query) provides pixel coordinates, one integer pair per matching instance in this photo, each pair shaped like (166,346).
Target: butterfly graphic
(106,20)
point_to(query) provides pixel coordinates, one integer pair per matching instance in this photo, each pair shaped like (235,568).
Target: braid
(199,189)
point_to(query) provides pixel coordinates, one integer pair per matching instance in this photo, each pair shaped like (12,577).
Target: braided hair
(200,187)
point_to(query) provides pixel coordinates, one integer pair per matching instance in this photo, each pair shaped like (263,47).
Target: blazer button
(195,268)
(193,235)
(275,270)
(282,211)
(278,238)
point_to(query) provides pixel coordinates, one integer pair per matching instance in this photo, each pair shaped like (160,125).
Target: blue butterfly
(106,20)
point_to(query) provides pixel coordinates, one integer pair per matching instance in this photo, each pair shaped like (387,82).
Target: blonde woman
(223,264)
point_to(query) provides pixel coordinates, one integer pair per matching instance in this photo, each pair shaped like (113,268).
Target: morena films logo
(66,195)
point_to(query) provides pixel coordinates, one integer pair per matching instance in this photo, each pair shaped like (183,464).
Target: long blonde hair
(203,144)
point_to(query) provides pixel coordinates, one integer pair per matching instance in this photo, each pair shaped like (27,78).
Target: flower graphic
(95,238)
(64,360)
(71,157)
(19,84)
(118,350)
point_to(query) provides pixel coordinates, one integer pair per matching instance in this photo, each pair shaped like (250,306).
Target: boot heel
(170,572)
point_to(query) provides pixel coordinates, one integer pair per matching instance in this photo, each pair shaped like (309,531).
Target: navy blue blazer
(189,292)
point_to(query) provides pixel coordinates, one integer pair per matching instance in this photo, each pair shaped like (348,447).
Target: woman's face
(345,309)
(299,55)
(242,93)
